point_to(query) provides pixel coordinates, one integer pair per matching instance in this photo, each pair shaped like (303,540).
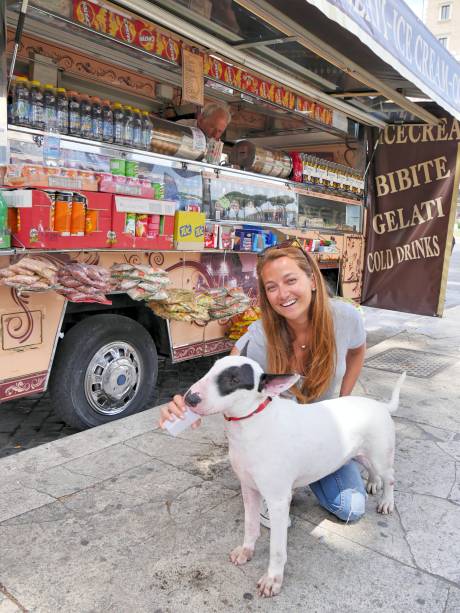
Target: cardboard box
(226,236)
(128,213)
(211,235)
(130,186)
(32,221)
(35,175)
(189,230)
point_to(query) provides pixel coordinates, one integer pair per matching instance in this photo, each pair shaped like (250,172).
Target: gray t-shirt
(349,334)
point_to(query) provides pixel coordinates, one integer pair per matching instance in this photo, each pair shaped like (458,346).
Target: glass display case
(245,198)
(224,194)
(327,213)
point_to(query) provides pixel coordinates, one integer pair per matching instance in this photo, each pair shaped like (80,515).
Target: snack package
(30,274)
(240,323)
(80,282)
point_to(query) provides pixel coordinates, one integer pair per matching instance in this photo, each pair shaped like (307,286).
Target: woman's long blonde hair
(320,358)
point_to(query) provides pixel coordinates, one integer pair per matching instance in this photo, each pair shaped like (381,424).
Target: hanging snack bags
(240,323)
(30,274)
(140,282)
(84,283)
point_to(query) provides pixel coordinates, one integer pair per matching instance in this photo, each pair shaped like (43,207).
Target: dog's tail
(394,402)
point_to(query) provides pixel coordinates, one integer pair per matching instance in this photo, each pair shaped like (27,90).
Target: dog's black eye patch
(235,378)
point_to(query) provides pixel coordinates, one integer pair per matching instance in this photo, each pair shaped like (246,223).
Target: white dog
(276,445)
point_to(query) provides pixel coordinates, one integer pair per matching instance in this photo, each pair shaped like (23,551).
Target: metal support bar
(248,44)
(17,39)
(355,94)
(281,22)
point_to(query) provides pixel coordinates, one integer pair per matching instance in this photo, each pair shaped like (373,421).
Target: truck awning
(393,33)
(388,58)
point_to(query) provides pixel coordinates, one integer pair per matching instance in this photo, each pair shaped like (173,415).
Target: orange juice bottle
(78,216)
(91,221)
(63,213)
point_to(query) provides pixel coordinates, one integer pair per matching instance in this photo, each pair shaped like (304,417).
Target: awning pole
(17,39)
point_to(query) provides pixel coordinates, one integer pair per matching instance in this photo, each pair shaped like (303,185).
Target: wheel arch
(122,304)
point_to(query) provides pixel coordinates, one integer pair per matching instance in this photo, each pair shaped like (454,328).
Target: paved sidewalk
(124,518)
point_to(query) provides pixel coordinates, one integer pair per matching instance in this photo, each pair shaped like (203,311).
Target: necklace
(303,347)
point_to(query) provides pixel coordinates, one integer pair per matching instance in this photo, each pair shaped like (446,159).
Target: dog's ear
(274,385)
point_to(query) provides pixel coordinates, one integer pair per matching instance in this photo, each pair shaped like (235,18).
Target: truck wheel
(105,368)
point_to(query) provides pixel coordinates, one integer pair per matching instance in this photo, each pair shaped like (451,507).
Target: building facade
(442,17)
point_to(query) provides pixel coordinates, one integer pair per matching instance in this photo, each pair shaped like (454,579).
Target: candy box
(189,229)
(142,223)
(32,220)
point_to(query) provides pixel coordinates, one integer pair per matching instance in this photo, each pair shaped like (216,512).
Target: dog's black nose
(192,399)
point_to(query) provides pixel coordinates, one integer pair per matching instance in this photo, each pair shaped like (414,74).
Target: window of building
(443,41)
(444,13)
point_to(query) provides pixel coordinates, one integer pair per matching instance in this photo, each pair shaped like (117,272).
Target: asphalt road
(28,422)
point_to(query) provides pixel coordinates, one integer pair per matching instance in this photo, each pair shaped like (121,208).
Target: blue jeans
(342,493)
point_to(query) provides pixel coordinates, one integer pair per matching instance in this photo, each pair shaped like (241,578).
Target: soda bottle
(62,111)
(86,125)
(5,238)
(147,127)
(21,102)
(74,114)
(137,129)
(128,126)
(107,122)
(36,115)
(96,114)
(118,124)
(49,108)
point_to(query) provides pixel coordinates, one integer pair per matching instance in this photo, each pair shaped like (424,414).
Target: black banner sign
(412,196)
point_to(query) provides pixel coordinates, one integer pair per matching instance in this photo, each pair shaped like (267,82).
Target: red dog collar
(260,408)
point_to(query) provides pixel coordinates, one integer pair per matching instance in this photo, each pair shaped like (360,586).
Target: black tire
(84,392)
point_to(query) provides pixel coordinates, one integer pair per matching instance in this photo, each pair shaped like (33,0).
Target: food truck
(129,235)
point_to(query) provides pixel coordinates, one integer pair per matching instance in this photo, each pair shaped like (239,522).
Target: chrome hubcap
(112,378)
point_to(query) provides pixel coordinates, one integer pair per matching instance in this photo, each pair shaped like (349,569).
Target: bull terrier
(276,444)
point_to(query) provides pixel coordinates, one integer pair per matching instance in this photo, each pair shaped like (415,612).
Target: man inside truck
(213,120)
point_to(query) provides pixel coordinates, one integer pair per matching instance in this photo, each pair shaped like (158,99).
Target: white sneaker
(265,516)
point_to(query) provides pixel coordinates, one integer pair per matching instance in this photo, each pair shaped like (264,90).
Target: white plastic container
(179,425)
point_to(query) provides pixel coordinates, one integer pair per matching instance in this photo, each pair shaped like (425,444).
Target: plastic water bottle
(118,124)
(147,128)
(178,426)
(86,125)
(74,114)
(49,108)
(137,129)
(36,115)
(21,102)
(62,111)
(107,122)
(128,126)
(96,113)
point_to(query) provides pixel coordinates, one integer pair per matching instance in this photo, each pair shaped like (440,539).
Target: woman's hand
(175,408)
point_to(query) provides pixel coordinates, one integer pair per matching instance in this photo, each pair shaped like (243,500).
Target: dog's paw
(372,487)
(240,555)
(385,507)
(269,586)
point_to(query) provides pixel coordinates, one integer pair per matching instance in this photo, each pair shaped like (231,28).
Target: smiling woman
(301,329)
